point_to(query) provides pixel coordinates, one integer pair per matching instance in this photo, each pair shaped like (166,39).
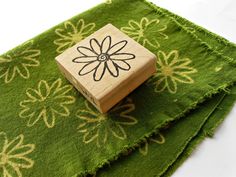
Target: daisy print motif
(19,63)
(147,32)
(99,128)
(72,33)
(103,57)
(171,70)
(14,155)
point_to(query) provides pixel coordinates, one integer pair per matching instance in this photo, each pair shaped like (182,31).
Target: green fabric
(48,129)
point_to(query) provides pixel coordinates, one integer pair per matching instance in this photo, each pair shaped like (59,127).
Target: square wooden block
(106,66)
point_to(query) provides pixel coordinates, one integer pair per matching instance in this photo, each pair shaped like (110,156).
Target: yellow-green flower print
(13,156)
(171,70)
(72,33)
(159,139)
(100,127)
(17,63)
(146,32)
(47,102)
(108,1)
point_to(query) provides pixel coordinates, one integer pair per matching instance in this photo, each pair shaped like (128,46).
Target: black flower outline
(101,57)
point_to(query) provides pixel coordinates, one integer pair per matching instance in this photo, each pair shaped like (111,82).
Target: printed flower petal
(122,65)
(10,74)
(95,46)
(134,24)
(111,68)
(16,142)
(70,28)
(122,56)
(80,25)
(59,109)
(21,150)
(117,47)
(84,59)
(21,162)
(10,171)
(172,57)
(130,31)
(35,118)
(64,46)
(90,136)
(88,68)
(171,84)
(3,140)
(161,58)
(88,28)
(43,88)
(23,71)
(33,94)
(49,118)
(183,78)
(99,71)
(144,22)
(106,44)
(160,85)
(118,131)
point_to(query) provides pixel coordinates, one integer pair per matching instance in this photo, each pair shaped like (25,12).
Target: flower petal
(49,118)
(34,118)
(23,71)
(144,22)
(117,47)
(10,74)
(122,65)
(112,68)
(65,46)
(31,62)
(91,135)
(171,84)
(95,46)
(134,24)
(88,28)
(3,140)
(130,31)
(106,44)
(59,109)
(99,71)
(118,131)
(172,57)
(85,51)
(161,58)
(122,56)
(21,162)
(183,78)
(12,145)
(11,171)
(89,68)
(80,25)
(22,150)
(43,89)
(70,28)
(33,94)
(84,59)
(160,85)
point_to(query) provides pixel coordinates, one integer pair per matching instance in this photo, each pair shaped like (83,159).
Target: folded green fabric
(48,129)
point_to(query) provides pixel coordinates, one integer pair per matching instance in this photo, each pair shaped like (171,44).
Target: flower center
(77,37)
(3,159)
(103,57)
(167,71)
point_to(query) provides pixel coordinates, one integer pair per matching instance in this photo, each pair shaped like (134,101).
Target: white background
(22,20)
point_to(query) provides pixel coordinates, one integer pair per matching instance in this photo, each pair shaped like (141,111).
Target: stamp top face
(104,60)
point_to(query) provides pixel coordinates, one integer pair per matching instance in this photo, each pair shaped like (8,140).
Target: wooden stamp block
(106,66)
